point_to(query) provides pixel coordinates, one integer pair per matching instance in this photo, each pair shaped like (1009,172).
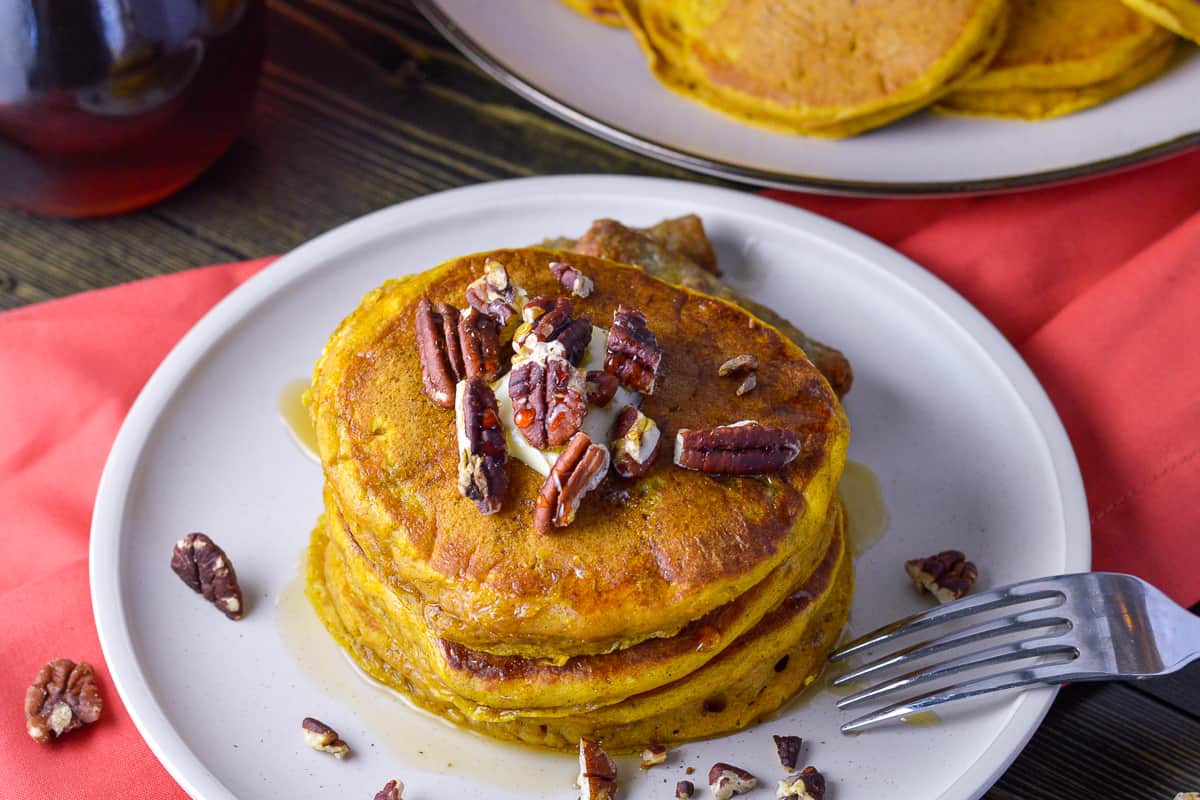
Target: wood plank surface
(361,105)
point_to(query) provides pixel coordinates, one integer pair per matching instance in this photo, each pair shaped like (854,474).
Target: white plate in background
(595,77)
(969,451)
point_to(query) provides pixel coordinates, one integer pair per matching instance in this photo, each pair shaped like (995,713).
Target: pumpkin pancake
(1180,16)
(598,10)
(750,678)
(642,559)
(816,67)
(1062,56)
(514,682)
(1035,104)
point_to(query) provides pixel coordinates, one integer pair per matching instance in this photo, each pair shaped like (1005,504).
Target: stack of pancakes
(1063,56)
(835,69)
(678,605)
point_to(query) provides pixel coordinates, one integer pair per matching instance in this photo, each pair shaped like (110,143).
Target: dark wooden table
(362,104)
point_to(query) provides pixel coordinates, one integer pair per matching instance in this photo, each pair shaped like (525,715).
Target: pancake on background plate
(1181,16)
(1062,56)
(685,598)
(599,10)
(816,67)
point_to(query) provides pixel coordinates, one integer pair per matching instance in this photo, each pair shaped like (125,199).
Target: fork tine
(1003,654)
(991,629)
(967,606)
(1050,674)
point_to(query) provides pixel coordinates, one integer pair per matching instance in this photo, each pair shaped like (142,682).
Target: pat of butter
(597,424)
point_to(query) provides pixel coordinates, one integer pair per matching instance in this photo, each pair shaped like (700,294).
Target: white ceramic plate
(594,76)
(969,451)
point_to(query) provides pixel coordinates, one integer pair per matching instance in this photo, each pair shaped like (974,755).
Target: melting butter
(597,423)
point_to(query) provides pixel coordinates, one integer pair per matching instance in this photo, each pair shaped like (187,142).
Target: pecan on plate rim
(946,575)
(202,564)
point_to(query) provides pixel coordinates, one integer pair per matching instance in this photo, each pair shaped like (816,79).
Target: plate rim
(718,168)
(106,539)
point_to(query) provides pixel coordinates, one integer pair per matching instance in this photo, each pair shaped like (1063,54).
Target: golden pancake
(652,252)
(599,10)
(513,682)
(819,67)
(1055,44)
(1181,16)
(749,679)
(1035,104)
(639,562)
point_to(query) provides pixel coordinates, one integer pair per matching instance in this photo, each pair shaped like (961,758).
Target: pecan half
(479,345)
(726,780)
(320,736)
(535,307)
(549,399)
(63,698)
(738,365)
(439,351)
(482,450)
(808,784)
(597,772)
(632,352)
(788,748)
(392,790)
(495,294)
(684,790)
(947,575)
(572,279)
(636,441)
(743,448)
(578,470)
(653,755)
(202,565)
(748,384)
(601,387)
(555,325)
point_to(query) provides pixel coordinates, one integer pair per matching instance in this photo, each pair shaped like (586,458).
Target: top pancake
(1054,44)
(811,66)
(643,558)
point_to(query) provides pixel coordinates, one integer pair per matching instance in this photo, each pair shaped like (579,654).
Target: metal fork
(1084,627)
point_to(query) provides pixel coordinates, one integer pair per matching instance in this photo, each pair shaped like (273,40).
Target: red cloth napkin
(1097,284)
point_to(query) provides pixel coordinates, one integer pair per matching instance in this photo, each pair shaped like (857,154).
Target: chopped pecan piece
(808,784)
(578,470)
(726,780)
(549,399)
(204,566)
(63,698)
(555,325)
(494,294)
(635,444)
(392,790)
(632,352)
(788,748)
(478,342)
(653,755)
(738,365)
(748,384)
(439,351)
(597,772)
(535,307)
(320,736)
(684,790)
(482,450)
(743,448)
(947,575)
(572,279)
(601,387)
